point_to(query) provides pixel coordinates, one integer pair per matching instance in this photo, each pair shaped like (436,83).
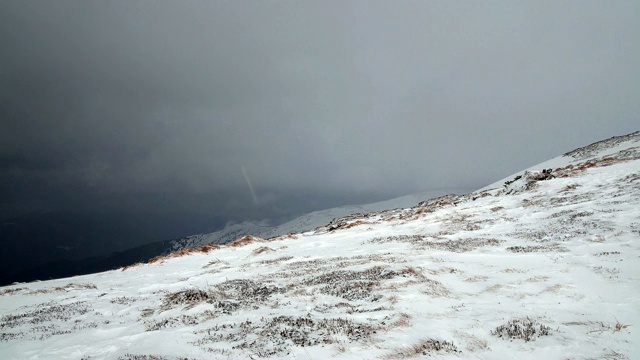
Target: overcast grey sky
(160,104)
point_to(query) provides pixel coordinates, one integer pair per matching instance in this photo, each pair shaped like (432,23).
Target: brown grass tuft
(619,327)
(569,188)
(410,270)
(424,347)
(354,224)
(403,321)
(262,249)
(130,266)
(245,240)
(184,251)
(156,259)
(573,170)
(11,291)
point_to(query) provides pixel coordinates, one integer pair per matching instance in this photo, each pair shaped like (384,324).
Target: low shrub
(525,329)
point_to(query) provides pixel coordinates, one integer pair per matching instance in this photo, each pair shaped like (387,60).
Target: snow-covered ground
(303,223)
(546,267)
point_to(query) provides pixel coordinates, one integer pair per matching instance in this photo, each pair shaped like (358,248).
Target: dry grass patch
(435,288)
(424,242)
(123,300)
(354,224)
(434,204)
(215,262)
(443,270)
(477,278)
(404,320)
(205,249)
(46,319)
(601,327)
(202,249)
(129,356)
(537,248)
(554,289)
(538,278)
(423,347)
(261,249)
(275,261)
(619,326)
(413,271)
(275,337)
(597,239)
(579,169)
(224,298)
(127,267)
(531,202)
(11,291)
(69,286)
(493,288)
(515,271)
(245,240)
(291,236)
(570,187)
(350,284)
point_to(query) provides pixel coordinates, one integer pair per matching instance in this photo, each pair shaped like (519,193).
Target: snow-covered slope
(544,268)
(606,148)
(301,224)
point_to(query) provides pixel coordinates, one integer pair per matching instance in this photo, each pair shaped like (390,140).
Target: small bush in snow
(525,329)
(509,182)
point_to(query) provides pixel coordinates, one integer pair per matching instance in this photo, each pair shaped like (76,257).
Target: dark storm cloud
(170,100)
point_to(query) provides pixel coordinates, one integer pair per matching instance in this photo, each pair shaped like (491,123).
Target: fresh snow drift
(542,265)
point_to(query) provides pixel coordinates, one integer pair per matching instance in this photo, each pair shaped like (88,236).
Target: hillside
(26,260)
(300,224)
(541,265)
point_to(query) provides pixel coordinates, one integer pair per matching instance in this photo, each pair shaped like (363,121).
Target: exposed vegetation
(428,242)
(423,347)
(524,328)
(275,336)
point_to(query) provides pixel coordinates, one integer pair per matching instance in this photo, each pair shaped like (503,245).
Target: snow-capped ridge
(619,147)
(307,222)
(605,147)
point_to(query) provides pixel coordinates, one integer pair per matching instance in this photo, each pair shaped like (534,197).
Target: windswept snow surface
(544,268)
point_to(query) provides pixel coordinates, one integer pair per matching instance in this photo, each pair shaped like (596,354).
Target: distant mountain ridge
(301,224)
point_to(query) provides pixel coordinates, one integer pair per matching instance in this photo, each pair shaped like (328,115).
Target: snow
(555,263)
(303,223)
(603,149)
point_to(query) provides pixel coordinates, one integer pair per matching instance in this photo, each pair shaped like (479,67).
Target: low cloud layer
(160,106)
